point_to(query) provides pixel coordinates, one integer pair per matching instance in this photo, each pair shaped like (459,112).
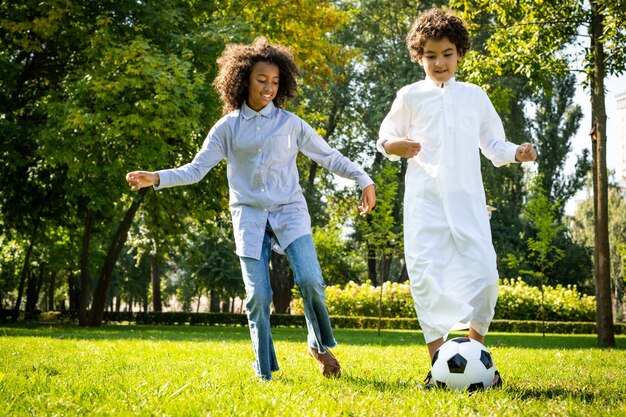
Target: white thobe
(449,254)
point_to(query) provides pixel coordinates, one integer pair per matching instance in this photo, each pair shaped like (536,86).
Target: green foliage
(362,300)
(380,231)
(339,263)
(583,233)
(517,301)
(542,215)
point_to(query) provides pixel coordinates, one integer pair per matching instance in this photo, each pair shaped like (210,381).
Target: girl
(260,142)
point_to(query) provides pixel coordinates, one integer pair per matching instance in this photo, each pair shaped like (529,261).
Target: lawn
(63,370)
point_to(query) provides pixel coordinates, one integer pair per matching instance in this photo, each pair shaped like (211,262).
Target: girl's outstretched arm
(368,200)
(142,179)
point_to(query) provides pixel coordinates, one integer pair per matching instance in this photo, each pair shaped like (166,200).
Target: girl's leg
(256,279)
(308,277)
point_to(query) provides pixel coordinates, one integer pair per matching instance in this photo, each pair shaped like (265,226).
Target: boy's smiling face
(262,85)
(440,59)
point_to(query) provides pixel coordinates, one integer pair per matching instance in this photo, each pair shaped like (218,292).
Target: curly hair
(437,24)
(235,64)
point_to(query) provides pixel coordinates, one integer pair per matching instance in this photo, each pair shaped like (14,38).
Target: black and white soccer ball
(463,364)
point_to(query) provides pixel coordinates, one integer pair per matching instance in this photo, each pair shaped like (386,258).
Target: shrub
(362,300)
(517,301)
(520,301)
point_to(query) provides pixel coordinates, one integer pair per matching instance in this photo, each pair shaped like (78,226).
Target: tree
(556,121)
(532,41)
(583,232)
(542,251)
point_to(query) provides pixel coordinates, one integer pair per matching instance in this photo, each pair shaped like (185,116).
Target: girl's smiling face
(440,59)
(262,85)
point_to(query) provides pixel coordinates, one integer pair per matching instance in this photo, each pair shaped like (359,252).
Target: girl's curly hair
(235,65)
(437,24)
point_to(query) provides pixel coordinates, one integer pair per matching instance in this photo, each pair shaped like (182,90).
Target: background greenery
(91,90)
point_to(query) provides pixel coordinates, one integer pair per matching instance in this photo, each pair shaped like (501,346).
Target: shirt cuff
(163,180)
(381,148)
(364,181)
(510,153)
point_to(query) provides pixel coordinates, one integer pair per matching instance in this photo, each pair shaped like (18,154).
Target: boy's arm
(393,142)
(525,153)
(403,147)
(492,136)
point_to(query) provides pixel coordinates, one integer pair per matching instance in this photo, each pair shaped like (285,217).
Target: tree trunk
(371,266)
(215,302)
(33,289)
(84,283)
(282,282)
(25,270)
(51,289)
(155,278)
(602,263)
(74,294)
(117,243)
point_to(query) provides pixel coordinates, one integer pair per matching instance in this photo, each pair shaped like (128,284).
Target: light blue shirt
(260,150)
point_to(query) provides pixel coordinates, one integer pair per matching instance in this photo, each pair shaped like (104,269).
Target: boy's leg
(308,277)
(256,279)
(473,334)
(433,346)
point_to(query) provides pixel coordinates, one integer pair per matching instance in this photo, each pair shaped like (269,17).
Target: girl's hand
(525,153)
(405,147)
(141,179)
(368,200)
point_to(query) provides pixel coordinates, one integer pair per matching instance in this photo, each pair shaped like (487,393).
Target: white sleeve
(395,125)
(493,142)
(212,152)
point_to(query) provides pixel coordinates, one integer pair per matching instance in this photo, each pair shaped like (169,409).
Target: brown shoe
(329,366)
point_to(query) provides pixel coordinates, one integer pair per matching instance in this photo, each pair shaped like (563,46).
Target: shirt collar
(449,83)
(266,111)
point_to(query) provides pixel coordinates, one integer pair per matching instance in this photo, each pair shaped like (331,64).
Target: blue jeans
(308,277)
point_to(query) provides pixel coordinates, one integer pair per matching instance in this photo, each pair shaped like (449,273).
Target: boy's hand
(141,179)
(405,147)
(525,153)
(368,200)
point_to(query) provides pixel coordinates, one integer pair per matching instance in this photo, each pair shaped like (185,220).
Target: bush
(517,301)
(362,300)
(520,301)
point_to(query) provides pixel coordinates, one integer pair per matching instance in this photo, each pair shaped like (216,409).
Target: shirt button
(262,190)
(258,128)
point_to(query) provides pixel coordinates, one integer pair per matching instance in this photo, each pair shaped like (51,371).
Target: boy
(439,125)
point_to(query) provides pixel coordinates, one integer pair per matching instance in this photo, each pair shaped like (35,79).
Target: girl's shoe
(329,365)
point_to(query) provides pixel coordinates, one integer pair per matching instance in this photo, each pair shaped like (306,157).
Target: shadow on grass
(283,334)
(552,393)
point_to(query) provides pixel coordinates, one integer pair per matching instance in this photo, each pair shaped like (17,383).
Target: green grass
(205,371)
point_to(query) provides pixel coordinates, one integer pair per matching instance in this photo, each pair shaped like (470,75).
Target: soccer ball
(463,364)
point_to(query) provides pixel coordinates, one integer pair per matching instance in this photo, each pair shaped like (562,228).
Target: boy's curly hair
(235,64)
(437,24)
